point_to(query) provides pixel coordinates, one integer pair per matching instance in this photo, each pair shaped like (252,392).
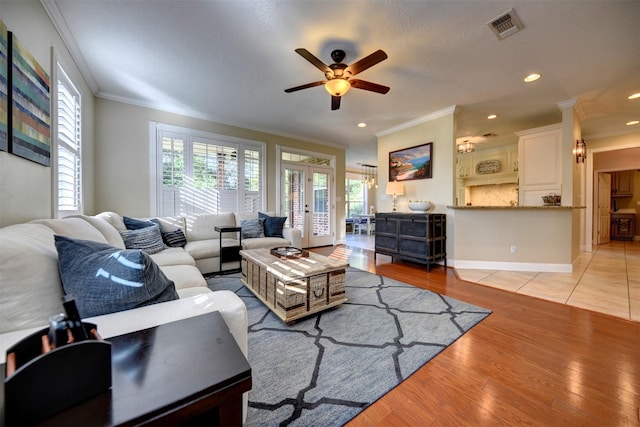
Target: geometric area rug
(326,368)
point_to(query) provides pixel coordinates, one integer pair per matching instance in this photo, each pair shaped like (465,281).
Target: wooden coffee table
(297,287)
(191,370)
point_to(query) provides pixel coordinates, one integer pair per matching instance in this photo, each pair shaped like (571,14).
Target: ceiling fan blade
(366,62)
(313,59)
(305,86)
(335,102)
(373,87)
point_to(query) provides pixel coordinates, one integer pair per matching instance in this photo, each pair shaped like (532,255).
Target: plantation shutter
(69,200)
(206,175)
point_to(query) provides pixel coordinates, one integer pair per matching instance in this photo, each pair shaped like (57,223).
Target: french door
(307,201)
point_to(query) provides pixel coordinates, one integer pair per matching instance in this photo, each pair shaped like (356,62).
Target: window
(354,197)
(210,173)
(68,144)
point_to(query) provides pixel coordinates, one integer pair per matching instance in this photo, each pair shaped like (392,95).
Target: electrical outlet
(514,249)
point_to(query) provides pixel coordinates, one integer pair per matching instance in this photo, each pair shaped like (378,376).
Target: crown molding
(423,119)
(575,104)
(60,24)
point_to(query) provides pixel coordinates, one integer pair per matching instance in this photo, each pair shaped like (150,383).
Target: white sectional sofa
(31,290)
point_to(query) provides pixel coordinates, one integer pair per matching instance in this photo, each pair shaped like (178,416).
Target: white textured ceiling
(230,61)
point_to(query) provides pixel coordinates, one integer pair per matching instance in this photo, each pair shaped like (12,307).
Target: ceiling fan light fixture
(337,87)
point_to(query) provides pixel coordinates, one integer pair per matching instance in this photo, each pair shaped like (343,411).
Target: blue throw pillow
(273,225)
(136,224)
(104,279)
(149,239)
(252,228)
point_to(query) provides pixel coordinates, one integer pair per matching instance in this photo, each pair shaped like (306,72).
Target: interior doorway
(593,221)
(603,232)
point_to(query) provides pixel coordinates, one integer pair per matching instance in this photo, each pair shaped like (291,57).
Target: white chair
(357,225)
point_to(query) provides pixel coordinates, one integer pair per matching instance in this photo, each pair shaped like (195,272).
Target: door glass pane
(294,198)
(321,211)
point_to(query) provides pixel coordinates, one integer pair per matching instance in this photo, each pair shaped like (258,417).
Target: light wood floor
(531,362)
(606,280)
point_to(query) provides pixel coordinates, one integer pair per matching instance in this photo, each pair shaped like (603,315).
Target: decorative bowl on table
(420,206)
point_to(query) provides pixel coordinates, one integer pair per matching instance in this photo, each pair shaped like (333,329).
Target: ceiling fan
(339,76)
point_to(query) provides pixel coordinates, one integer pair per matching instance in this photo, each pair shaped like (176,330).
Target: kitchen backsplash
(494,195)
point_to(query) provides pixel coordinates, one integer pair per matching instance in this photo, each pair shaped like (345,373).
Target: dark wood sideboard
(416,237)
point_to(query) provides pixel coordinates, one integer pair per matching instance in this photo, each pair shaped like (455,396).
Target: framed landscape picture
(4,89)
(29,105)
(411,163)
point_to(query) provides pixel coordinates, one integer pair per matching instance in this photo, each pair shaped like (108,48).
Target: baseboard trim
(513,266)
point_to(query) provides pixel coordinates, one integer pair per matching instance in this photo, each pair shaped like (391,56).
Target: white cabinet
(489,166)
(539,163)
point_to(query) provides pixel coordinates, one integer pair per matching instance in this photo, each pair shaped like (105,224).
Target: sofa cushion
(252,228)
(273,225)
(172,256)
(170,223)
(202,227)
(185,276)
(104,279)
(109,232)
(76,228)
(200,249)
(114,219)
(264,242)
(30,287)
(149,239)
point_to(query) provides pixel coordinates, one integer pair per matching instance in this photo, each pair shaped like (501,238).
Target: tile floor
(606,280)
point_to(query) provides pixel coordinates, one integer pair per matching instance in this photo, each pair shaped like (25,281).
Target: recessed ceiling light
(492,116)
(633,122)
(532,77)
(362,125)
(634,96)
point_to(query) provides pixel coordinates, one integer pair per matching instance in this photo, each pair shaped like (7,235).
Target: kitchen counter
(518,238)
(517,207)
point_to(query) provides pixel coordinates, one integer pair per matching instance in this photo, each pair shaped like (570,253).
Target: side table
(229,253)
(186,372)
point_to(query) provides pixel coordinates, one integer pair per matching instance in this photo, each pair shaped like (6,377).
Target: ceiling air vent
(505,24)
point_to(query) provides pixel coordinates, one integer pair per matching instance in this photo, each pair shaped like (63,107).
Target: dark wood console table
(186,372)
(417,237)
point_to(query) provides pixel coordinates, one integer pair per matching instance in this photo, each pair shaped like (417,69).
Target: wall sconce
(580,150)
(397,189)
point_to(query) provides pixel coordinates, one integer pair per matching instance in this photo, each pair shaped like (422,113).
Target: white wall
(440,188)
(123,150)
(25,186)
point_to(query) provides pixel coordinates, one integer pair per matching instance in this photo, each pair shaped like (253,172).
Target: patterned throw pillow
(149,239)
(174,239)
(252,228)
(104,279)
(273,225)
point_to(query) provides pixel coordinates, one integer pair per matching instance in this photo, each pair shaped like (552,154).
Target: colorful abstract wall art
(4,89)
(29,100)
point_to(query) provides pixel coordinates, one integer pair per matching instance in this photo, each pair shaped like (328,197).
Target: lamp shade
(396,188)
(337,87)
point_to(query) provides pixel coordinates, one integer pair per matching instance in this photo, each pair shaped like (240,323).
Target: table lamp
(397,189)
